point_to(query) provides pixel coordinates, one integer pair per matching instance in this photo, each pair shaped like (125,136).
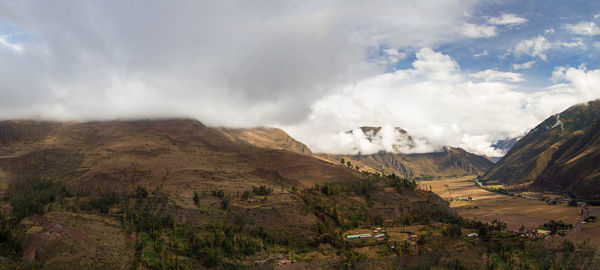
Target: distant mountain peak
(389,139)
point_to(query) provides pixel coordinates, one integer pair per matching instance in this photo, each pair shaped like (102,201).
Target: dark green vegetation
(11,237)
(561,154)
(554,226)
(31,196)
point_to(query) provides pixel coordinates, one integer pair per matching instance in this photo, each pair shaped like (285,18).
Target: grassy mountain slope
(560,154)
(272,138)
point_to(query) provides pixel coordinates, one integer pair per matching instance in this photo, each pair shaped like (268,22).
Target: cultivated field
(487,206)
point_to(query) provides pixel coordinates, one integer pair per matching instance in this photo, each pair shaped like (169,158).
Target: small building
(365,235)
(352,236)
(380,235)
(472,235)
(412,237)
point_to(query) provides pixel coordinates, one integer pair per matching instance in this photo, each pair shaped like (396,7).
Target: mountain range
(561,154)
(447,161)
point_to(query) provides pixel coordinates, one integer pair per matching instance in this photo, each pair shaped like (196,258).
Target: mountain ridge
(560,154)
(447,161)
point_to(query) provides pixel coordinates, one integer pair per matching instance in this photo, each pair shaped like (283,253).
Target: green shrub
(102,204)
(225,202)
(141,192)
(219,193)
(262,190)
(246,195)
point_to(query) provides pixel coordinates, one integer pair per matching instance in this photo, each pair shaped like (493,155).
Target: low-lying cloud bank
(437,101)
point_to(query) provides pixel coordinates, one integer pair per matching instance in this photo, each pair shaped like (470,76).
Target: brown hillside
(271,138)
(121,154)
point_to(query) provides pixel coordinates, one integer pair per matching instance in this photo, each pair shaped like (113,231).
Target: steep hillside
(272,138)
(561,154)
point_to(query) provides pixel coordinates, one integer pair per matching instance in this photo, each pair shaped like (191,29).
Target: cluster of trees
(261,190)
(11,235)
(453,231)
(31,196)
(554,226)
(401,183)
(329,189)
(349,164)
(148,215)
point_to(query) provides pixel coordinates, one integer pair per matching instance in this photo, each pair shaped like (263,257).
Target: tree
(246,195)
(225,202)
(342,161)
(196,198)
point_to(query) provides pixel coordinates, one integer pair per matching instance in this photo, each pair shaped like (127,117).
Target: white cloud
(436,66)
(576,43)
(535,47)
(256,65)
(4,42)
(388,139)
(479,31)
(597,45)
(459,112)
(494,75)
(583,28)
(549,31)
(507,19)
(526,65)
(484,53)
(539,46)
(583,83)
(394,55)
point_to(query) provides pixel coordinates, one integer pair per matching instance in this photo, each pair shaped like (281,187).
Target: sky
(461,73)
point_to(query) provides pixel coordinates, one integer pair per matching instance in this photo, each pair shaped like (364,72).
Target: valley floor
(487,206)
